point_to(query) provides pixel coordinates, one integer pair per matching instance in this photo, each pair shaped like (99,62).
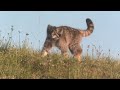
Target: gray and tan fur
(65,37)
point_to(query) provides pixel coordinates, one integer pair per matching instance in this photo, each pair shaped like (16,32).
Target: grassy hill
(28,64)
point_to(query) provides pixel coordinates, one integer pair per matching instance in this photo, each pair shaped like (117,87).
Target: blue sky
(106,32)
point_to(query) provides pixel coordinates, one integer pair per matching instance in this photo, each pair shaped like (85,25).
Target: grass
(25,63)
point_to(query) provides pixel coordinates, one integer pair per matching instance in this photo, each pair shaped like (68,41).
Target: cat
(65,37)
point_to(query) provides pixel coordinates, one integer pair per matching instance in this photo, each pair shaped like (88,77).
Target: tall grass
(23,62)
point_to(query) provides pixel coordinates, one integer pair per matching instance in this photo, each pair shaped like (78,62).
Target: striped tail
(89,30)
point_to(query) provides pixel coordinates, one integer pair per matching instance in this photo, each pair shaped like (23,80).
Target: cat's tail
(89,30)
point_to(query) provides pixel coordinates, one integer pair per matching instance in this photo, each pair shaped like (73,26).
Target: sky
(106,33)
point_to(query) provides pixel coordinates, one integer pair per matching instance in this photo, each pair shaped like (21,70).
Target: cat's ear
(48,26)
